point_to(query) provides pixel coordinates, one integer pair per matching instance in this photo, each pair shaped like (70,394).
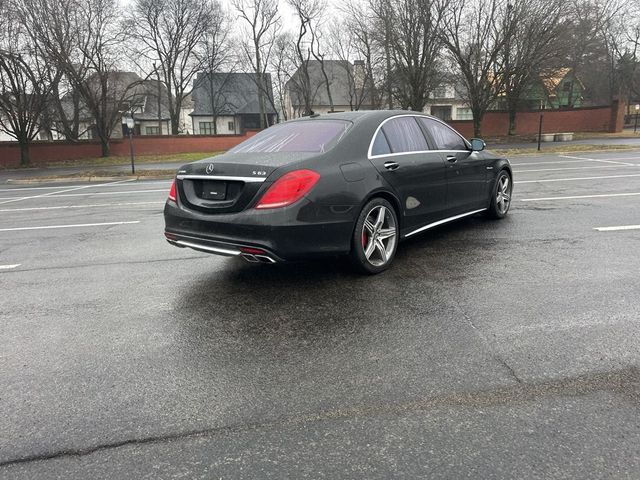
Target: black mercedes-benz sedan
(351,183)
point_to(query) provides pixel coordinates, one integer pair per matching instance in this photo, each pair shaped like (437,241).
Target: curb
(37,180)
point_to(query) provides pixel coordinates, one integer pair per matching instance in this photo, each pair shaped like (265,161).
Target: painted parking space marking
(9,267)
(123,192)
(575,168)
(65,207)
(137,184)
(575,179)
(616,229)
(13,199)
(603,160)
(552,161)
(78,225)
(577,197)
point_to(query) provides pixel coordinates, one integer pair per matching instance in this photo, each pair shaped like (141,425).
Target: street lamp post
(130,126)
(635,127)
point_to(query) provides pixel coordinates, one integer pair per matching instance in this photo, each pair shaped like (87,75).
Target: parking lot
(491,349)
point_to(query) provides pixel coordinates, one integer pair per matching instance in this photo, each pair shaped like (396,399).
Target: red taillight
(172,191)
(288,189)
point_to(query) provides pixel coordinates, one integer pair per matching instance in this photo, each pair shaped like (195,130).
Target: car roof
(359,115)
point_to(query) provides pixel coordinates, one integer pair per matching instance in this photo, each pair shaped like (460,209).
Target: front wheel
(501,196)
(375,237)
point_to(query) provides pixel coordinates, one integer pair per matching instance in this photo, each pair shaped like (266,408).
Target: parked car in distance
(354,183)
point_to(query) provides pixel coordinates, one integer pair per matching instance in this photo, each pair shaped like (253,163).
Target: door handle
(391,166)
(452,158)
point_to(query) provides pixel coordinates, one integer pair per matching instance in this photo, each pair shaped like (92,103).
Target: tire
(500,199)
(375,237)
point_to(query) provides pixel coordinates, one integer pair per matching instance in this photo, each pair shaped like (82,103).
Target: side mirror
(477,144)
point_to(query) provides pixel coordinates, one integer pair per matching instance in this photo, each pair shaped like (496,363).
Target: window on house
(443,112)
(231,126)
(206,128)
(440,92)
(152,130)
(464,114)
(567,86)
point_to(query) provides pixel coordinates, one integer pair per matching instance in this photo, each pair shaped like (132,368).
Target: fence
(494,123)
(41,153)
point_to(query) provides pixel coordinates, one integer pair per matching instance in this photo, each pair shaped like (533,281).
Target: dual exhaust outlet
(252,258)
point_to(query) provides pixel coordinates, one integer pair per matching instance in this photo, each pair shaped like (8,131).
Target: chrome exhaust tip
(250,258)
(265,259)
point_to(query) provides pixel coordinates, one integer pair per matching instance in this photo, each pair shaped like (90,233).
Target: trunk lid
(229,183)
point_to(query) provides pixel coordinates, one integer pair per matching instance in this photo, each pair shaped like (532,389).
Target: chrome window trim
(445,220)
(222,177)
(415,115)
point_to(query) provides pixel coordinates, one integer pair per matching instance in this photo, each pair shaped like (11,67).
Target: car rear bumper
(300,231)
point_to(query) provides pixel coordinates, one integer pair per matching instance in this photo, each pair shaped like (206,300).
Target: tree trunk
(477,124)
(104,144)
(512,119)
(24,153)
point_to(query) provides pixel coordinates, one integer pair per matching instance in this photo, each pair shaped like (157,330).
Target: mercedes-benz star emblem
(209,168)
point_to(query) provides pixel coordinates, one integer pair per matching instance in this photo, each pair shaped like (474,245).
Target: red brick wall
(42,153)
(590,119)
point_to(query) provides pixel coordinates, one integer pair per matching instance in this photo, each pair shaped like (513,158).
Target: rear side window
(445,137)
(380,145)
(404,135)
(314,136)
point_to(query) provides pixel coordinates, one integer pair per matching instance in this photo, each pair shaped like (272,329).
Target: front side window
(404,135)
(444,137)
(313,136)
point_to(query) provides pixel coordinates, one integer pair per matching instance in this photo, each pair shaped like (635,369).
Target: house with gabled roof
(229,103)
(349,87)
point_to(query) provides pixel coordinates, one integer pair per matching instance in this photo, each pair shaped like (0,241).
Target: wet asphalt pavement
(505,349)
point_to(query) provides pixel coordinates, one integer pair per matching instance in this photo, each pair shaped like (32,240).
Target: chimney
(359,73)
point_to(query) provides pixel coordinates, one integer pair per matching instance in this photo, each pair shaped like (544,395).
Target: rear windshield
(315,136)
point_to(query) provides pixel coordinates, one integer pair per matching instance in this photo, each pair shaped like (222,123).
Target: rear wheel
(501,196)
(375,237)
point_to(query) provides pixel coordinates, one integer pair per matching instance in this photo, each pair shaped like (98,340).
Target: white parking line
(572,179)
(575,168)
(9,267)
(550,162)
(139,183)
(47,227)
(123,192)
(598,160)
(615,229)
(580,196)
(79,206)
(13,199)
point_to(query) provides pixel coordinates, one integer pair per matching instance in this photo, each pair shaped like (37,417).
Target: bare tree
(584,37)
(24,84)
(83,40)
(283,66)
(413,30)
(171,32)
(262,23)
(532,32)
(474,36)
(215,56)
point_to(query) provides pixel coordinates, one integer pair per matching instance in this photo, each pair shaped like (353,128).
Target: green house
(557,88)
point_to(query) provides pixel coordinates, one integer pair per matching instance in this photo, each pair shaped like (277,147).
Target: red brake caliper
(364,238)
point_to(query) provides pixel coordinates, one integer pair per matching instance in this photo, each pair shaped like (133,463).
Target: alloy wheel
(503,195)
(379,235)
